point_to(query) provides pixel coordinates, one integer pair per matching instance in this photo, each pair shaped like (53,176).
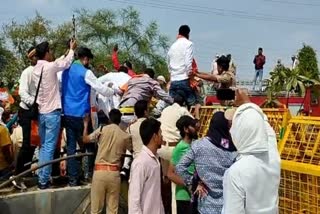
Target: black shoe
(87,180)
(44,186)
(73,184)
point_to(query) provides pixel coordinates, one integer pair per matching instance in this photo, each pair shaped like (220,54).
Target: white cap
(161,78)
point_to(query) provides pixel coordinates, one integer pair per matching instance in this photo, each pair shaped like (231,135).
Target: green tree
(59,38)
(286,79)
(100,30)
(9,66)
(23,36)
(140,44)
(308,64)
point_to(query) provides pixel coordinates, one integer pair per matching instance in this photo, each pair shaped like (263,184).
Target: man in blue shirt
(77,82)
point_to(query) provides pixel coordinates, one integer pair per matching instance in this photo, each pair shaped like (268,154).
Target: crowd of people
(66,109)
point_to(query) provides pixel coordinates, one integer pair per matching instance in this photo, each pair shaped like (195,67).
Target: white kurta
(251,184)
(118,79)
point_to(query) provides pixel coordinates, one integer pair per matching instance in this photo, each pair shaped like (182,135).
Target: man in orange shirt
(116,64)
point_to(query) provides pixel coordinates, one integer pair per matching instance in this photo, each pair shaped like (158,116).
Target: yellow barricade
(278,118)
(206,113)
(299,147)
(300,158)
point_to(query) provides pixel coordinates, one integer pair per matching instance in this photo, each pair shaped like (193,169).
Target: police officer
(224,79)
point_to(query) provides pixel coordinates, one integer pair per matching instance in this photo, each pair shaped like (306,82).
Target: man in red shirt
(259,61)
(116,64)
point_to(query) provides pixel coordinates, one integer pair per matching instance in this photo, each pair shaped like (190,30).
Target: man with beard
(188,132)
(171,138)
(77,82)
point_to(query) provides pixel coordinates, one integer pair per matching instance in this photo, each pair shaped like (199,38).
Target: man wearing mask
(77,82)
(49,101)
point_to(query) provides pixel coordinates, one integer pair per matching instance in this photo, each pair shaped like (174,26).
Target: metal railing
(5,183)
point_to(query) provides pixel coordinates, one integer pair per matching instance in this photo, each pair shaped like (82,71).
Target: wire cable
(293,3)
(220,12)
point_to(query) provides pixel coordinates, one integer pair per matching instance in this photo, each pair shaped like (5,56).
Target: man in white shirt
(118,79)
(103,103)
(141,112)
(180,58)
(27,93)
(170,132)
(77,82)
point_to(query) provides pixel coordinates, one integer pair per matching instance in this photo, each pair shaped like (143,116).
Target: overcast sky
(238,27)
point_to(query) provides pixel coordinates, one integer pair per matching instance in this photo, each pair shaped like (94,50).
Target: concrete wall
(75,200)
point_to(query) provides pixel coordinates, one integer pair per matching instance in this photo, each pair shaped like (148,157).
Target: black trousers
(26,152)
(74,131)
(184,207)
